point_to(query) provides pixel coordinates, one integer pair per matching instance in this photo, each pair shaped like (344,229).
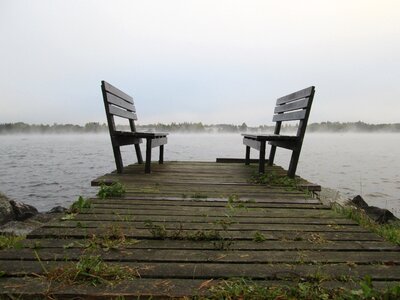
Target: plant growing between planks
(116,189)
(79,205)
(92,270)
(10,241)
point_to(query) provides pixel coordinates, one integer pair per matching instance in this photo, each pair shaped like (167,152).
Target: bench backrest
(119,104)
(294,107)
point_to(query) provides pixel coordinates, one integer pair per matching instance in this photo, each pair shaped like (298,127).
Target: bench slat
(252,143)
(292,116)
(113,90)
(295,96)
(292,106)
(121,112)
(158,142)
(112,99)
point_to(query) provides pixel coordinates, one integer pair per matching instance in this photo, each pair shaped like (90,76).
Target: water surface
(50,170)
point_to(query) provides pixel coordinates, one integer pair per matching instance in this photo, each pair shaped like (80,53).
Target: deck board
(209,215)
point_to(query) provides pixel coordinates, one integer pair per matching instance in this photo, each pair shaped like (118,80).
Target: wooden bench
(119,104)
(293,107)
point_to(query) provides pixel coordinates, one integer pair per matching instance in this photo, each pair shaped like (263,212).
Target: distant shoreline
(94,127)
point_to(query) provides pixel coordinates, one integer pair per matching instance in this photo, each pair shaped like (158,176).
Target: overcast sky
(209,61)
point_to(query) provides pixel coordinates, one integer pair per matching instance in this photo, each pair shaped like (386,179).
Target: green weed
(91,270)
(157,231)
(10,241)
(79,204)
(258,237)
(116,189)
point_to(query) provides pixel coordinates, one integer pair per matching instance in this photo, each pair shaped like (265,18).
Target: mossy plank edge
(208,256)
(210,245)
(208,226)
(235,235)
(214,270)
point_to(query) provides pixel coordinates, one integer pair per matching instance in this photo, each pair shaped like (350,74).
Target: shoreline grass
(390,231)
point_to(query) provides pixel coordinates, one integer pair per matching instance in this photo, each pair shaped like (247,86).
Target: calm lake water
(50,170)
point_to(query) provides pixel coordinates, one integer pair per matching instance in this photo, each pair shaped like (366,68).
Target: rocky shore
(17,218)
(379,215)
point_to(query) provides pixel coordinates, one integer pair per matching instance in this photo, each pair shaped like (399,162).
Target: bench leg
(147,168)
(293,163)
(138,154)
(118,159)
(161,160)
(247,159)
(272,156)
(261,166)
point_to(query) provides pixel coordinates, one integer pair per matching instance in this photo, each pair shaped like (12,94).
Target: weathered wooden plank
(234,235)
(252,143)
(122,113)
(112,99)
(295,96)
(117,92)
(28,288)
(200,207)
(177,201)
(265,212)
(234,226)
(201,219)
(221,256)
(210,245)
(291,106)
(291,116)
(189,270)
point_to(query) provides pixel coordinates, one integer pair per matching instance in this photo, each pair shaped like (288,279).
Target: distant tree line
(95,127)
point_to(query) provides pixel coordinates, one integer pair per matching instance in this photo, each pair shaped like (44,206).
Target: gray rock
(359,202)
(23,211)
(379,215)
(6,210)
(27,226)
(57,209)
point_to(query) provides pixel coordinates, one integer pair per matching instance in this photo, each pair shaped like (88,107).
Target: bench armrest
(270,137)
(150,134)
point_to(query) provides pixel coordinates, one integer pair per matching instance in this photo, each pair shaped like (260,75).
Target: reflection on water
(50,170)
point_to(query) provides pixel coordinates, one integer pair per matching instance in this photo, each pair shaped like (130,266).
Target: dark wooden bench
(119,104)
(293,107)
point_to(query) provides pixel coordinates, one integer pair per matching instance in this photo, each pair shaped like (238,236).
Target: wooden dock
(187,226)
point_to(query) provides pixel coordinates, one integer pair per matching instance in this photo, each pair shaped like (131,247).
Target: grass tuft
(78,205)
(10,241)
(116,189)
(91,270)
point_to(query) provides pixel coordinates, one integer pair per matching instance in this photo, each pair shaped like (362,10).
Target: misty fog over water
(50,170)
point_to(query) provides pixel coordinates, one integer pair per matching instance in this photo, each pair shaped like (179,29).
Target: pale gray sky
(210,61)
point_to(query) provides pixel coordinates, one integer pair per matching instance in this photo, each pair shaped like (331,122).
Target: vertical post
(118,159)
(138,154)
(271,155)
(161,160)
(293,163)
(247,159)
(261,166)
(148,155)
